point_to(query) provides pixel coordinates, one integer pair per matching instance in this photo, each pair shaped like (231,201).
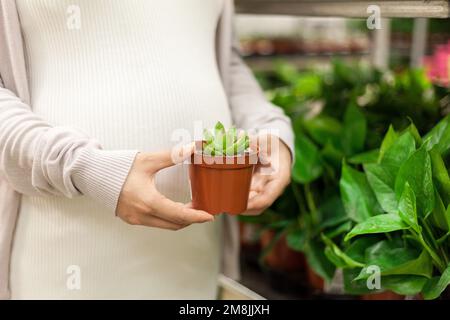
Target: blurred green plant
(339,114)
(401,203)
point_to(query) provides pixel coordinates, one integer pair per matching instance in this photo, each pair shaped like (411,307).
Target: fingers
(155,222)
(178,213)
(260,201)
(258,182)
(253,194)
(181,153)
(155,161)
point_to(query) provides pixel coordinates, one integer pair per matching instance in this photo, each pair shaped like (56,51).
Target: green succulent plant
(222,142)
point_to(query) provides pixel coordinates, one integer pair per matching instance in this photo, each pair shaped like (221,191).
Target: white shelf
(342,8)
(232,290)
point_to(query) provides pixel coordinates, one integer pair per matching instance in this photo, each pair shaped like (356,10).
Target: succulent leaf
(225,142)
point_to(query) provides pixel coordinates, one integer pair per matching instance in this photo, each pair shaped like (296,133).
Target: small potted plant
(221,171)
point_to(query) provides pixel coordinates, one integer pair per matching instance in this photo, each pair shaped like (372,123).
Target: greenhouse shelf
(301,61)
(342,8)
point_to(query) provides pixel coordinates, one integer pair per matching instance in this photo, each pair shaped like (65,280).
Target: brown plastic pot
(281,257)
(221,184)
(315,281)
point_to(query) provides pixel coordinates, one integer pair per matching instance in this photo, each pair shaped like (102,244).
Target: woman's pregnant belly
(129,78)
(56,237)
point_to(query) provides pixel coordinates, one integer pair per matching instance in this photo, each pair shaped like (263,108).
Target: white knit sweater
(121,78)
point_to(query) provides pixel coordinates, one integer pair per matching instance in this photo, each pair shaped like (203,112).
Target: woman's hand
(271,176)
(140,203)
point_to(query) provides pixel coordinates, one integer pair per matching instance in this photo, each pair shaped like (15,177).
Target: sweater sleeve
(38,159)
(249,106)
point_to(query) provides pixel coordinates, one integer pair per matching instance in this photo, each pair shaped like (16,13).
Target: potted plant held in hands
(221,171)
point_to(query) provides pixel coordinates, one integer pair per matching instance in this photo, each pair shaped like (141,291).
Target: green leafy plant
(403,226)
(225,142)
(340,114)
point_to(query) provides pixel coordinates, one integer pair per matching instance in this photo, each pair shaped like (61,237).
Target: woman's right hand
(140,203)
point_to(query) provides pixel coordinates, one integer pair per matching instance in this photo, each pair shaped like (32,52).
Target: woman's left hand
(272,174)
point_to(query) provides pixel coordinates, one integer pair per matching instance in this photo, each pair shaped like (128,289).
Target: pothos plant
(400,202)
(338,114)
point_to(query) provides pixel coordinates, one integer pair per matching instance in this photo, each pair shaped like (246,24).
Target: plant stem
(269,247)
(311,204)
(443,238)
(298,198)
(435,244)
(444,254)
(434,256)
(430,234)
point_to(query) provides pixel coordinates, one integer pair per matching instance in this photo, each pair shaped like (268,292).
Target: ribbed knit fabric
(121,79)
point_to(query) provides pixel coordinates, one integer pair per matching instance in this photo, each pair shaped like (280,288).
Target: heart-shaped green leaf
(308,162)
(417,172)
(434,287)
(407,208)
(382,223)
(358,198)
(382,182)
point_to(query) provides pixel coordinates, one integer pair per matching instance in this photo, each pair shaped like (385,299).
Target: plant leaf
(389,139)
(407,208)
(209,149)
(378,224)
(439,136)
(440,216)
(337,261)
(340,229)
(332,213)
(365,157)
(399,261)
(238,147)
(354,130)
(382,183)
(219,142)
(354,287)
(358,199)
(337,254)
(415,133)
(319,262)
(357,249)
(404,284)
(230,137)
(208,136)
(417,172)
(398,153)
(332,155)
(296,240)
(435,286)
(219,128)
(400,284)
(323,129)
(308,163)
(440,175)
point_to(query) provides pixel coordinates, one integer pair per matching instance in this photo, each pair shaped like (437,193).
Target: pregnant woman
(90,94)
